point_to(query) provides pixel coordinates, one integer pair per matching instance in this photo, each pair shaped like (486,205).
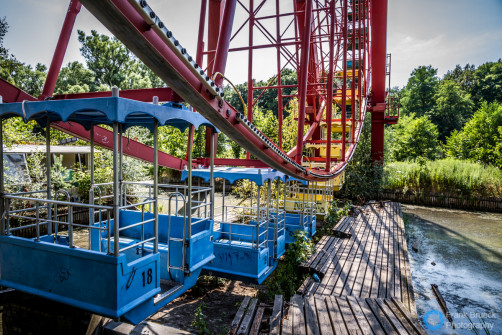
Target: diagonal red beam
(102,136)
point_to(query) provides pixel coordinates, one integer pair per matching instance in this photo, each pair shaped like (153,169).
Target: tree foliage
(411,138)
(418,96)
(481,138)
(453,107)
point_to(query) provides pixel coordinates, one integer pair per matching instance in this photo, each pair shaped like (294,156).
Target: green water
(466,248)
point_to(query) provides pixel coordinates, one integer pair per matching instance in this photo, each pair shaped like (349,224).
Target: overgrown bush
(288,277)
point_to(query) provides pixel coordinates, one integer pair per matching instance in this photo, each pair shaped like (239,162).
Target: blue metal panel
(104,111)
(232,174)
(82,278)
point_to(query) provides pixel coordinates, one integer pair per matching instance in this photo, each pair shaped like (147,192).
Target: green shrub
(288,276)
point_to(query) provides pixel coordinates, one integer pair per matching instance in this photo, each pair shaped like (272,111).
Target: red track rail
(319,41)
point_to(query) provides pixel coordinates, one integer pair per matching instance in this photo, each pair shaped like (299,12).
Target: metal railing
(41,218)
(242,216)
(37,212)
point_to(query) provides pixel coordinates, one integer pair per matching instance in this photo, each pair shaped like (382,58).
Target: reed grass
(447,176)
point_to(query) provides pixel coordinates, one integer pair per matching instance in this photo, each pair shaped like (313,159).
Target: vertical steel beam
(353,56)
(302,85)
(250,66)
(344,83)
(214,18)
(220,58)
(378,61)
(279,80)
(57,59)
(329,99)
(48,167)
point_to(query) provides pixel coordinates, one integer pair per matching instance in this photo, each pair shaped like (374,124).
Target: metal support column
(214,138)
(303,79)
(156,184)
(189,191)
(48,166)
(116,189)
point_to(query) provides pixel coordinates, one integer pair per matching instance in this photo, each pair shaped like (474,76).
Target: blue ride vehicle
(127,260)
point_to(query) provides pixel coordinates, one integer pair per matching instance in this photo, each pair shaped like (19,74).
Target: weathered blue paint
(199,252)
(86,279)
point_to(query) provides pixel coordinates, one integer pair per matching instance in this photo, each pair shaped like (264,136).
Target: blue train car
(128,260)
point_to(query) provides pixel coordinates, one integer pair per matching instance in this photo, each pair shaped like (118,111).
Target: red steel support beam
(279,81)
(378,61)
(302,84)
(344,84)
(220,59)
(57,59)
(250,66)
(329,99)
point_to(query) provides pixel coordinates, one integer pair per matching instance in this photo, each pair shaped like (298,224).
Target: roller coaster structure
(337,48)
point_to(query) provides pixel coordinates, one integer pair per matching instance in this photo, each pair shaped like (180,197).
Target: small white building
(15,159)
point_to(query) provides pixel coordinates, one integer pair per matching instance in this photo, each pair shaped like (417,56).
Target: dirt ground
(220,300)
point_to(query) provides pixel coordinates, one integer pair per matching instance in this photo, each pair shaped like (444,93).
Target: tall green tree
(488,83)
(464,77)
(411,138)
(113,64)
(418,96)
(481,137)
(75,78)
(452,108)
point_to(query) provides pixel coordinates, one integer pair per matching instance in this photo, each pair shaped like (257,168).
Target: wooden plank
(348,317)
(359,315)
(398,308)
(365,289)
(255,328)
(299,319)
(345,271)
(248,317)
(358,281)
(370,317)
(344,259)
(398,326)
(311,316)
(318,249)
(276,317)
(336,316)
(287,322)
(238,316)
(355,268)
(380,316)
(325,325)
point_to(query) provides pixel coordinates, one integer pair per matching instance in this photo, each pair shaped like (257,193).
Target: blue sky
(442,33)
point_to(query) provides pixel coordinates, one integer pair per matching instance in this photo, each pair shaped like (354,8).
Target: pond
(461,252)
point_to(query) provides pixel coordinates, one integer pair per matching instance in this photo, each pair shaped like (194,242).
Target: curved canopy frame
(233,174)
(99,111)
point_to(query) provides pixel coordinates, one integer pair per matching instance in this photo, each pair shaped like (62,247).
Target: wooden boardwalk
(372,263)
(365,285)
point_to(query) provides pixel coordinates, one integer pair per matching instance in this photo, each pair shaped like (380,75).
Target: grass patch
(447,176)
